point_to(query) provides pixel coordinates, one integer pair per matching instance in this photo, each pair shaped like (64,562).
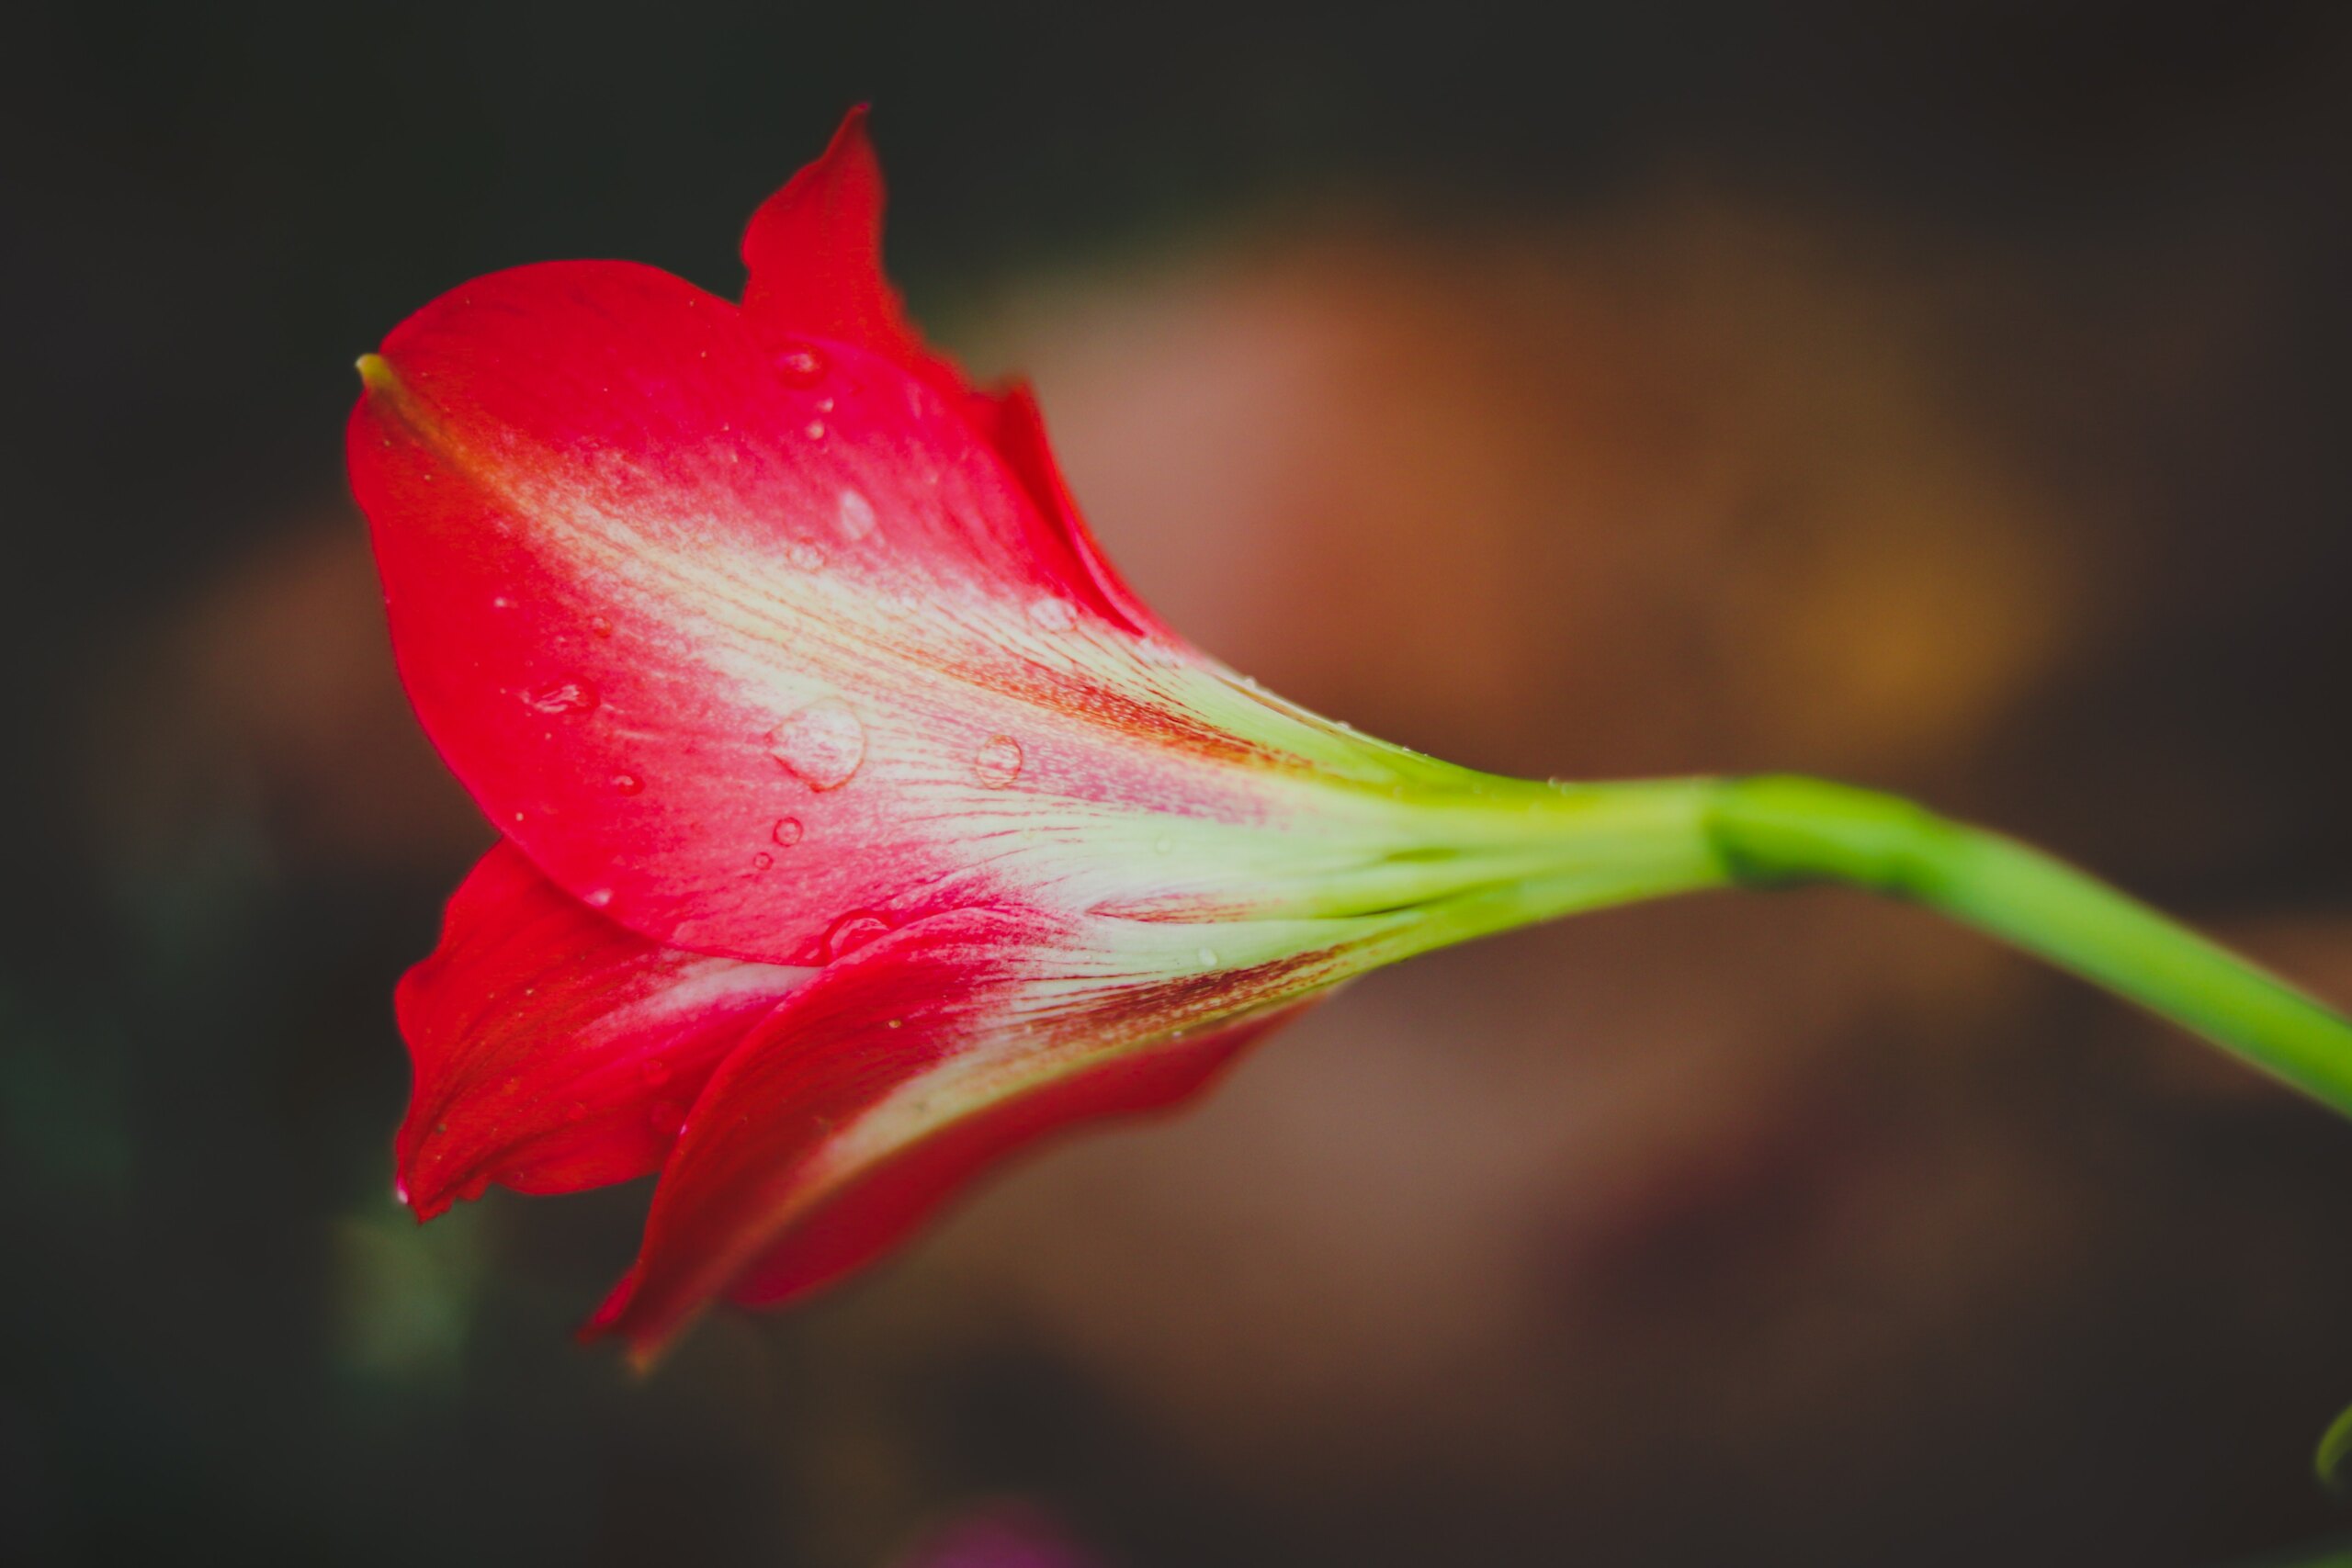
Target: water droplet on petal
(565,696)
(602,898)
(854,515)
(601,626)
(501,601)
(1053,615)
(786,831)
(655,1070)
(629,784)
(1164,845)
(853,932)
(762,861)
(400,1193)
(804,554)
(1207,956)
(803,364)
(822,744)
(816,430)
(666,1117)
(824,405)
(998,761)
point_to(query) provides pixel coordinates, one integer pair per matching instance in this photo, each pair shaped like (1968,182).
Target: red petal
(885,1086)
(634,609)
(814,251)
(552,1049)
(876,1211)
(1016,427)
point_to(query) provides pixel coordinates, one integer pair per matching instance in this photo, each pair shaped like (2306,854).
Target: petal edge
(552,1050)
(854,1112)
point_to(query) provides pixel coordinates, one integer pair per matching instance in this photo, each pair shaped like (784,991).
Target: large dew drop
(854,515)
(853,932)
(998,761)
(802,364)
(821,745)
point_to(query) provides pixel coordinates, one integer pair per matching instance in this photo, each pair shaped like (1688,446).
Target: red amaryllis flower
(860,825)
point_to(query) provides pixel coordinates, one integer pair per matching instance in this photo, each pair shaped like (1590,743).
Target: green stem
(1590,846)
(1781,832)
(2327,1554)
(1776,832)
(2334,1452)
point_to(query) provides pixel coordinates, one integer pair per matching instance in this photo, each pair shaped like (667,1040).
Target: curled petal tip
(376,373)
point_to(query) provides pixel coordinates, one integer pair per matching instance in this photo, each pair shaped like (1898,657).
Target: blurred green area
(1948,400)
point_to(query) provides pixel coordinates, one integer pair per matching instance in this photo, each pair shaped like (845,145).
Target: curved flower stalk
(862,826)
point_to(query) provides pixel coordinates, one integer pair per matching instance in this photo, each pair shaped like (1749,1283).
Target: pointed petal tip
(427,1197)
(643,1349)
(427,1188)
(852,138)
(376,373)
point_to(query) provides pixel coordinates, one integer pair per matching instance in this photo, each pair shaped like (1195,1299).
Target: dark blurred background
(1951,402)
